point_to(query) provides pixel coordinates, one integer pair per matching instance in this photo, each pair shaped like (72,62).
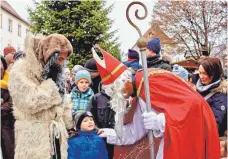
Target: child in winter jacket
(85,142)
(104,116)
(81,93)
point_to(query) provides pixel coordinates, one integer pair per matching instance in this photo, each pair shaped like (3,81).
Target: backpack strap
(209,95)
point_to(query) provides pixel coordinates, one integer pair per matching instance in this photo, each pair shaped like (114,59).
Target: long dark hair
(213,67)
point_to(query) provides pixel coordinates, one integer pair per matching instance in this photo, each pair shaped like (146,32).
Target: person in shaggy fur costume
(42,112)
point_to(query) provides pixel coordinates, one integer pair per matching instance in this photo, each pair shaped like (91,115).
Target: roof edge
(18,17)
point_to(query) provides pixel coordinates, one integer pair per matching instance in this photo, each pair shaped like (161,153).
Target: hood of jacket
(222,88)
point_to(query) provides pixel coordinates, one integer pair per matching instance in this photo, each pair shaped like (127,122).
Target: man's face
(62,58)
(127,90)
(149,53)
(9,58)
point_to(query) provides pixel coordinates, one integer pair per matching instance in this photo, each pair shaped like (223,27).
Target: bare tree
(196,26)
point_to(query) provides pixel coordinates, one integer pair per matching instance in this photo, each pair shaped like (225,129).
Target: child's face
(67,76)
(87,124)
(73,76)
(83,85)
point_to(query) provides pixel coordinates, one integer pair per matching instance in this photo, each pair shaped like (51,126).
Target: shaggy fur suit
(37,105)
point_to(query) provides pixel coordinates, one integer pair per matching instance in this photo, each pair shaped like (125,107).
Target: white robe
(134,131)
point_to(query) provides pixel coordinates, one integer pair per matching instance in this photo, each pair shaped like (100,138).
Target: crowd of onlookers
(83,85)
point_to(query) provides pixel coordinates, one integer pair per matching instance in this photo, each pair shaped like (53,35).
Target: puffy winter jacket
(133,64)
(217,102)
(88,145)
(157,62)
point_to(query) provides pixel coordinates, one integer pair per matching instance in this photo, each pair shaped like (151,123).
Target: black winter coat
(218,104)
(156,62)
(96,84)
(101,110)
(104,116)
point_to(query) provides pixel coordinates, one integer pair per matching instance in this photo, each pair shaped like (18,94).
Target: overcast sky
(126,33)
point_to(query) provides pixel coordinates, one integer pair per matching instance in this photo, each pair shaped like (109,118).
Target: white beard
(118,102)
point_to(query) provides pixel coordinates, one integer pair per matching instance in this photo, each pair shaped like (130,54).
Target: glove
(154,121)
(106,132)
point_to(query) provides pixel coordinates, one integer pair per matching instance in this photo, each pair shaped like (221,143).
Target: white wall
(12,38)
(178,57)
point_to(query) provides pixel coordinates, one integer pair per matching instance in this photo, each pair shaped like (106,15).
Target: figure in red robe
(183,124)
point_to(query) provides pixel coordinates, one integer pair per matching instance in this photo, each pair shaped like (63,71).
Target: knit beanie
(132,54)
(79,116)
(154,45)
(76,68)
(82,74)
(180,71)
(8,50)
(91,65)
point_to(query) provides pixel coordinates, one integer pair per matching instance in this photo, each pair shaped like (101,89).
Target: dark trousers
(7,142)
(110,149)
(58,152)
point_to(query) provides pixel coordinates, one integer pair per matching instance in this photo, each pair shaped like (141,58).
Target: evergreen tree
(84,23)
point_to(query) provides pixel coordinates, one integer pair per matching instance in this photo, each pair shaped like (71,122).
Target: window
(1,20)
(27,31)
(19,30)
(10,25)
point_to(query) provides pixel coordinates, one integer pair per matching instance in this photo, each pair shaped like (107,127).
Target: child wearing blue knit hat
(180,71)
(81,93)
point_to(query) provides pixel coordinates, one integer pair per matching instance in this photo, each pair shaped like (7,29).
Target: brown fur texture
(36,103)
(222,88)
(53,43)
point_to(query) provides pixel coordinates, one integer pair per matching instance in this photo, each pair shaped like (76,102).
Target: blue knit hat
(154,45)
(180,71)
(82,74)
(132,54)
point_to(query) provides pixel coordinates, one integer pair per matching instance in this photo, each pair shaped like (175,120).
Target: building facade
(167,43)
(13,28)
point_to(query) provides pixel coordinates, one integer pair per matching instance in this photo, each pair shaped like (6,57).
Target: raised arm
(31,96)
(131,133)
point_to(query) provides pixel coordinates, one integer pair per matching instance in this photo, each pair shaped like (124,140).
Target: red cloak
(191,130)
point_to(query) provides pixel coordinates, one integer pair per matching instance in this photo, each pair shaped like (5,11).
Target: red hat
(109,68)
(8,50)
